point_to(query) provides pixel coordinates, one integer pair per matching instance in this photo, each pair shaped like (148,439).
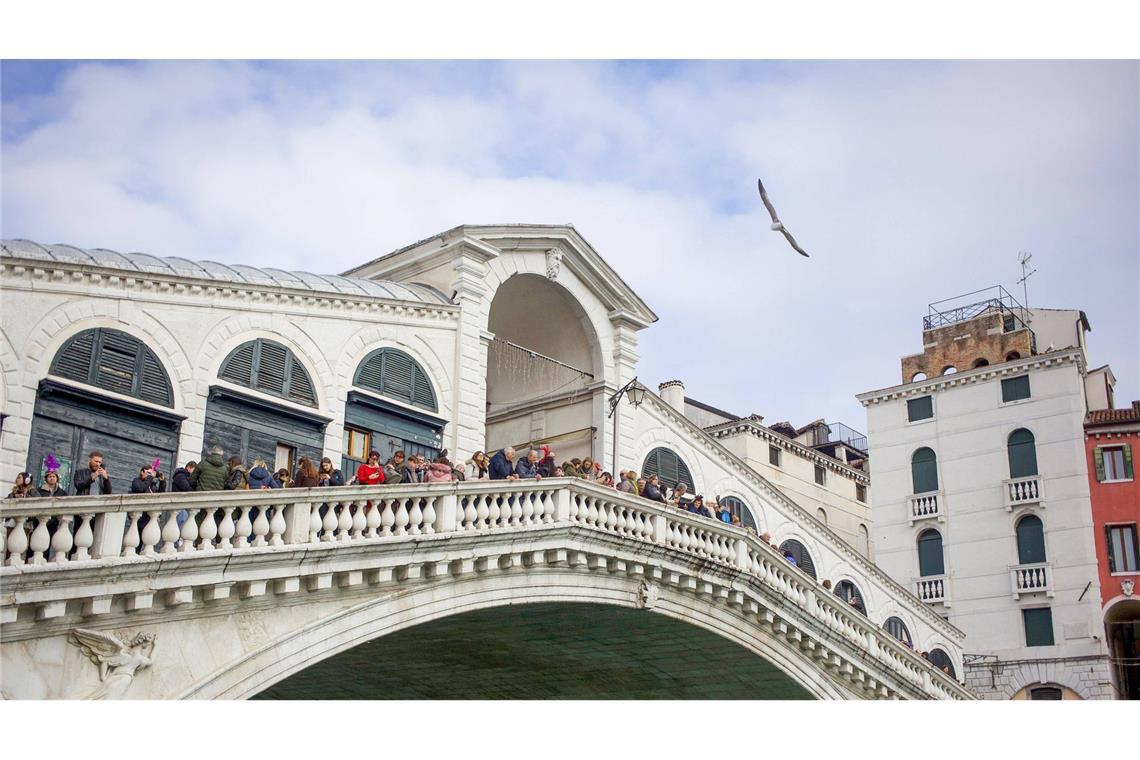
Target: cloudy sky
(908,182)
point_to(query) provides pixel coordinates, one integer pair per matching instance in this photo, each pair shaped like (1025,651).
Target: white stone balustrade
(56,534)
(931,589)
(924,506)
(1031,579)
(1022,491)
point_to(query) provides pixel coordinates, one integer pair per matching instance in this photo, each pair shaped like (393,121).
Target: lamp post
(636,393)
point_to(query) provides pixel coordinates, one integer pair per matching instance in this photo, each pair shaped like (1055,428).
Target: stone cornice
(805,521)
(968,377)
(18,273)
(757,429)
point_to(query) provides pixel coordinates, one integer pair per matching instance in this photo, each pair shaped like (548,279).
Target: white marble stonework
(236,604)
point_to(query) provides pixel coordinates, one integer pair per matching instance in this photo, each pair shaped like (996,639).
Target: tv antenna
(1023,258)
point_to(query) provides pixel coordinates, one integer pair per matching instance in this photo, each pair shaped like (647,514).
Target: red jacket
(368,475)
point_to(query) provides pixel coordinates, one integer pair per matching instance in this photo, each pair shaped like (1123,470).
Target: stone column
(469,433)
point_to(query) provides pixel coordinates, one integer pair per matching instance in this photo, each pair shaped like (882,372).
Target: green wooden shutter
(1098,459)
(1128,460)
(924,470)
(1038,627)
(1022,452)
(930,560)
(1030,540)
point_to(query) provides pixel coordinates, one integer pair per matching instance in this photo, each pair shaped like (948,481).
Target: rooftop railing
(970,305)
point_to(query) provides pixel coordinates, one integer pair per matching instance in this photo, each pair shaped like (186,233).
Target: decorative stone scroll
(1126,586)
(553,263)
(647,596)
(118,661)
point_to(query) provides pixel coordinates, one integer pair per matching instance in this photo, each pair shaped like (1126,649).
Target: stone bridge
(522,589)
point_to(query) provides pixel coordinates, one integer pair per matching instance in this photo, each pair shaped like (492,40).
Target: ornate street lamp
(636,393)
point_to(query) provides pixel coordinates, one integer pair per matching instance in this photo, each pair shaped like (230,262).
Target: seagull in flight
(777,225)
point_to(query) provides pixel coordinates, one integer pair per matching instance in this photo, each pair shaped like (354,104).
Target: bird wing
(767,203)
(96,645)
(795,245)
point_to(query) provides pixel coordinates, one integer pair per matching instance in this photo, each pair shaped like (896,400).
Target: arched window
(1012,356)
(949,369)
(1030,540)
(821,515)
(863,541)
(849,592)
(942,661)
(1045,693)
(741,510)
(930,553)
(271,368)
(799,555)
(981,363)
(924,470)
(669,468)
(898,629)
(1022,454)
(393,373)
(116,362)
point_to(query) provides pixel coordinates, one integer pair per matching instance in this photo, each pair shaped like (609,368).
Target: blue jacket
(499,467)
(259,476)
(525,470)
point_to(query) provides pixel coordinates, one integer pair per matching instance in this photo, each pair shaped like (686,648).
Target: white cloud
(907,182)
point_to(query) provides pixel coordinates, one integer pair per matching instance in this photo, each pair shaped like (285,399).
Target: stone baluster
(359,520)
(3,542)
(170,533)
(429,515)
(575,506)
(151,533)
(131,537)
(242,528)
(494,512)
(226,529)
(401,524)
(470,514)
(387,518)
(40,541)
(208,530)
(261,527)
(516,509)
(328,522)
(592,511)
(315,524)
(482,512)
(620,524)
(415,517)
(17,542)
(277,527)
(343,521)
(61,540)
(372,519)
(527,503)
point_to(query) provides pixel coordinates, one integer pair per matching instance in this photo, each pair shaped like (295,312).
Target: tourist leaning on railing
(210,474)
(95,473)
(393,470)
(181,480)
(24,487)
(51,486)
(260,478)
(477,466)
(527,467)
(502,465)
(306,476)
(329,475)
(439,471)
(148,481)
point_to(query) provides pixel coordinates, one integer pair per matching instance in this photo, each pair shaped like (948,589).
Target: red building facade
(1112,440)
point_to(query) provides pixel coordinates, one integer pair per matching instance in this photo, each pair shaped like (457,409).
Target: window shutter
(1111,549)
(1098,460)
(300,385)
(422,393)
(115,362)
(1030,540)
(1128,460)
(1022,452)
(398,375)
(74,360)
(238,367)
(153,385)
(271,362)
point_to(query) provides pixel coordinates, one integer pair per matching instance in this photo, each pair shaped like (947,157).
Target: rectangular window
(1121,548)
(356,444)
(1113,462)
(860,492)
(820,475)
(920,408)
(774,455)
(1038,627)
(1015,388)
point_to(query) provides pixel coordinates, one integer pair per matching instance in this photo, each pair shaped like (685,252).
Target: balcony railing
(924,506)
(1021,491)
(1031,579)
(931,589)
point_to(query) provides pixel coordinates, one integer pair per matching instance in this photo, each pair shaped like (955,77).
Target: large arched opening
(544,651)
(1122,632)
(543,367)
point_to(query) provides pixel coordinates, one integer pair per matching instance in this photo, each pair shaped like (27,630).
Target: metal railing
(970,305)
(840,433)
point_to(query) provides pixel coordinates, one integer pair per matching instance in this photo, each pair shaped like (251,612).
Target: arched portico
(544,368)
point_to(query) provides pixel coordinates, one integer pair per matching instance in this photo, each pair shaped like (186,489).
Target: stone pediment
(432,261)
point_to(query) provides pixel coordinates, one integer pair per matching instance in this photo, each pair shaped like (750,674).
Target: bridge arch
(295,651)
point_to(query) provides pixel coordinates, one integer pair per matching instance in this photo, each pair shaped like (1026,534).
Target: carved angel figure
(118,661)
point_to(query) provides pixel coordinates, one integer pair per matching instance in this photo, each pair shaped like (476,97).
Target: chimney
(673,393)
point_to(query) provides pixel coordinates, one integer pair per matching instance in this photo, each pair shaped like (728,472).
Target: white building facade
(982,499)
